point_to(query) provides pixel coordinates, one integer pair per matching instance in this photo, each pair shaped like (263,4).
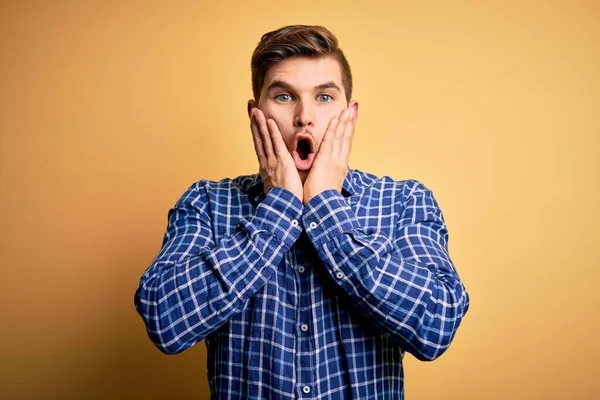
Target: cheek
(323,122)
(284,123)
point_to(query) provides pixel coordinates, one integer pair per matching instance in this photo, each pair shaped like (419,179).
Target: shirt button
(339,275)
(294,222)
(304,327)
(306,389)
(313,225)
(301,269)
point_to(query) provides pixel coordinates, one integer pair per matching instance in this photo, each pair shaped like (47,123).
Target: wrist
(312,193)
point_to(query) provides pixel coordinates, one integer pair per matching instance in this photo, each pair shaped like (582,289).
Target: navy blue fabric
(298,302)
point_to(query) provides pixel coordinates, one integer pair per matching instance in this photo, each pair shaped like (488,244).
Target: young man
(310,279)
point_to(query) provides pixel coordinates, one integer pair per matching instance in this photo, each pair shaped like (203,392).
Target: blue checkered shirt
(304,302)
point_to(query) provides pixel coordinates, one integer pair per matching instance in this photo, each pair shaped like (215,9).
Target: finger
(256,138)
(349,132)
(277,139)
(341,130)
(264,134)
(328,137)
(346,149)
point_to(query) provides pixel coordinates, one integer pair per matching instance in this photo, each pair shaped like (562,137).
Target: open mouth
(303,149)
(303,154)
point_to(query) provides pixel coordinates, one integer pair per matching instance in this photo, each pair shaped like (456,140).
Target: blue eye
(284,98)
(324,98)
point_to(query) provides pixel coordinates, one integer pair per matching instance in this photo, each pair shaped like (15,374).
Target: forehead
(304,73)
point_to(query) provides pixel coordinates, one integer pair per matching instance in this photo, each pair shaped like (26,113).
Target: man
(310,279)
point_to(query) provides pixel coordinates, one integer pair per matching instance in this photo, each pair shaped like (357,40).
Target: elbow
(427,351)
(437,338)
(165,347)
(159,331)
(163,336)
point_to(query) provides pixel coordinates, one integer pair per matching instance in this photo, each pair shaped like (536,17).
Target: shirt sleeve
(195,285)
(406,284)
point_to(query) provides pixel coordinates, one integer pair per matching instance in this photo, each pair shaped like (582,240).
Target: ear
(251,104)
(354,105)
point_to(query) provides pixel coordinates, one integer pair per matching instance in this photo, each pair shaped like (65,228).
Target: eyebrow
(285,86)
(329,85)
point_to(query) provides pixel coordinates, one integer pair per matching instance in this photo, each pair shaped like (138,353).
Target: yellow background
(110,110)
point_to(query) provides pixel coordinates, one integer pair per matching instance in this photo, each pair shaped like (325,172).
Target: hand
(331,162)
(277,168)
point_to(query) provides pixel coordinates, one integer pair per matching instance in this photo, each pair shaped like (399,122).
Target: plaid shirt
(300,302)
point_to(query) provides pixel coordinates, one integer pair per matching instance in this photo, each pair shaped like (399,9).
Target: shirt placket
(306,363)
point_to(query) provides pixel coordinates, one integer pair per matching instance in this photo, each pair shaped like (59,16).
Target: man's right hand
(277,168)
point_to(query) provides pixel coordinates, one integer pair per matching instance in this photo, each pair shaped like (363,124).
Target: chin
(303,175)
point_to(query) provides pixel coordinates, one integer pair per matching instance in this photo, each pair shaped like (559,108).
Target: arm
(195,285)
(407,285)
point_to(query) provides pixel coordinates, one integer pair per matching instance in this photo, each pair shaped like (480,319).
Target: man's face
(302,95)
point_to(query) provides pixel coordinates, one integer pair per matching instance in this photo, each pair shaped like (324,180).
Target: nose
(304,116)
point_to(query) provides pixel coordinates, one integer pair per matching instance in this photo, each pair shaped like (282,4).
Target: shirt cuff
(328,215)
(279,214)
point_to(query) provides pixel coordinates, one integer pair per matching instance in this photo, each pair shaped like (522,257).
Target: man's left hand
(330,166)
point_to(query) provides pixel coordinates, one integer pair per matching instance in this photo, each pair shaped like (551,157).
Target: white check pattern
(296,302)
